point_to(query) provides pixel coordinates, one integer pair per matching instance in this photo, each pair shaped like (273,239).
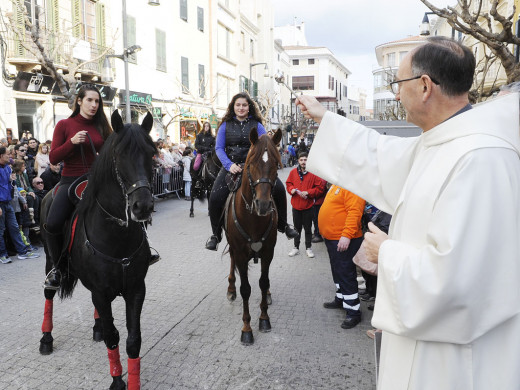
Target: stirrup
(48,285)
(210,241)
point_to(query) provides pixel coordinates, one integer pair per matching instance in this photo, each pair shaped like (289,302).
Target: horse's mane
(131,140)
(257,150)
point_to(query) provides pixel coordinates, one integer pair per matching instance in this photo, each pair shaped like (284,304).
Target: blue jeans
(8,221)
(344,274)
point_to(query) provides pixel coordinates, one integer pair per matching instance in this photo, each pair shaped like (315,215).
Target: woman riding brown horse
(251,224)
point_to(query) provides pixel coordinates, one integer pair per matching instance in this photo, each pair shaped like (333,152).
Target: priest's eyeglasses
(394,85)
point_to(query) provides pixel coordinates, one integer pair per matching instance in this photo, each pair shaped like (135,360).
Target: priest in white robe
(448,295)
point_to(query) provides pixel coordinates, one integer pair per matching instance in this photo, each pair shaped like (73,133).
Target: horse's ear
(277,137)
(147,122)
(253,135)
(117,121)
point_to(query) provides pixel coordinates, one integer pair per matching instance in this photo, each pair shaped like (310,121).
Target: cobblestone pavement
(190,332)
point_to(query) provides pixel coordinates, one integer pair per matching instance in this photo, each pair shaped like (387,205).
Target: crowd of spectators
(31,177)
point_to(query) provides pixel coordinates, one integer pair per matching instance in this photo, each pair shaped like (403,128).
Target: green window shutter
(160,49)
(254,93)
(100,25)
(202,81)
(77,25)
(131,35)
(200,18)
(20,26)
(53,25)
(185,75)
(184,9)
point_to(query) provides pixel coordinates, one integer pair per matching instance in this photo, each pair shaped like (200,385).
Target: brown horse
(250,225)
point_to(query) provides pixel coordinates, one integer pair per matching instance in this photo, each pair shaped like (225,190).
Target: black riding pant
(61,207)
(303,218)
(220,192)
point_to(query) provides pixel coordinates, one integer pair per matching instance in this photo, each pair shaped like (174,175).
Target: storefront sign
(107,93)
(136,98)
(33,82)
(157,113)
(213,121)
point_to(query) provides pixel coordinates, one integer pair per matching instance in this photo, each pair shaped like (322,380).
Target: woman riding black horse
(70,135)
(232,146)
(204,143)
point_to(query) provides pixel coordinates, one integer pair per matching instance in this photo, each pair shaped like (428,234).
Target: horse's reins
(257,245)
(125,261)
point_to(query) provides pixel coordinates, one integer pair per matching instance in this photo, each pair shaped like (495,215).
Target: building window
(160,49)
(303,82)
(224,38)
(402,54)
(391,59)
(252,47)
(200,18)
(296,62)
(310,61)
(184,9)
(202,82)
(185,78)
(331,82)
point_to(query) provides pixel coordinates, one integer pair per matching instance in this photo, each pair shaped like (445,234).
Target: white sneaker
(5,260)
(28,255)
(294,252)
(309,252)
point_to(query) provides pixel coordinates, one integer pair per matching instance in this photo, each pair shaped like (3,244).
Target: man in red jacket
(303,187)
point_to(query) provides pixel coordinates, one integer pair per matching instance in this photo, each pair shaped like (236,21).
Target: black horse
(204,178)
(109,251)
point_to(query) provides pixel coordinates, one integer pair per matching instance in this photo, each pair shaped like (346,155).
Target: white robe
(448,294)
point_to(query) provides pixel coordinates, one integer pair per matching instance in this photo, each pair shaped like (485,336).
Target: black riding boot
(54,243)
(217,201)
(281,206)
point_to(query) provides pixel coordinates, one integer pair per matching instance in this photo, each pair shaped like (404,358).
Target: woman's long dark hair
(100,119)
(254,112)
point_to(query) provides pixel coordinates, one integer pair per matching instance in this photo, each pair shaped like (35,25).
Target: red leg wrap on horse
(96,314)
(47,316)
(134,374)
(115,362)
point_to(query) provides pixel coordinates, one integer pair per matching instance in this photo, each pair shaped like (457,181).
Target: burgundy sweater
(62,148)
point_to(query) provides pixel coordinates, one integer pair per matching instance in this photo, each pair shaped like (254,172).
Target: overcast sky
(352,29)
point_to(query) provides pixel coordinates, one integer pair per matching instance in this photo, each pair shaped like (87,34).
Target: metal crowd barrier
(167,181)
(285,159)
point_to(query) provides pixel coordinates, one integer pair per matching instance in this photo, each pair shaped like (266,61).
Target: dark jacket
(205,142)
(237,139)
(50,179)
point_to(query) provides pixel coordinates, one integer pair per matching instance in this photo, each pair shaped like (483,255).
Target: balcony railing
(81,51)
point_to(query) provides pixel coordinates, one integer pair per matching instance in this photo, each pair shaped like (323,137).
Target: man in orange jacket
(340,225)
(303,187)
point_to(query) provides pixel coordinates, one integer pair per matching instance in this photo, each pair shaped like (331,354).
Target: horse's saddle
(77,188)
(233,181)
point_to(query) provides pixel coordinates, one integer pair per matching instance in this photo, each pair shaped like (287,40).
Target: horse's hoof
(117,383)
(269,299)
(247,338)
(46,343)
(264,326)
(46,348)
(97,335)
(192,215)
(231,296)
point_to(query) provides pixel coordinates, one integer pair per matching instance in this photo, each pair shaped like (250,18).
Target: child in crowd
(187,155)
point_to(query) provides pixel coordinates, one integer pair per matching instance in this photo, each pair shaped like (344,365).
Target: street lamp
(266,74)
(127,51)
(425,25)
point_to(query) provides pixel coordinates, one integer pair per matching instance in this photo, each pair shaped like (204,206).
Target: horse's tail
(68,283)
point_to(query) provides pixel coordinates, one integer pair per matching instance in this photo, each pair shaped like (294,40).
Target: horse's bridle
(126,192)
(253,185)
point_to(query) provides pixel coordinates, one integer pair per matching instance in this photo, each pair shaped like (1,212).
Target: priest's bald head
(433,81)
